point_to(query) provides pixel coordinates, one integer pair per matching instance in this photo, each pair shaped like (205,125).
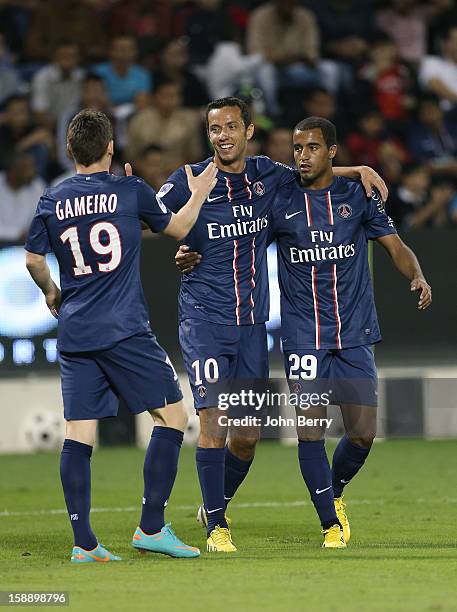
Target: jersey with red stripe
(230,285)
(326,291)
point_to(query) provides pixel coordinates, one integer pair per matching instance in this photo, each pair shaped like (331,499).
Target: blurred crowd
(385,72)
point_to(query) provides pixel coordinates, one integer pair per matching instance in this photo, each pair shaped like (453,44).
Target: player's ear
(250,131)
(332,151)
(110,149)
(69,153)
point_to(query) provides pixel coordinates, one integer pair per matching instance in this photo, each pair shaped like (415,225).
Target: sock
(236,471)
(316,473)
(210,467)
(347,460)
(75,477)
(160,468)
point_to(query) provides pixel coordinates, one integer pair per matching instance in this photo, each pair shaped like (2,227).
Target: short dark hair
(230,101)
(327,128)
(88,136)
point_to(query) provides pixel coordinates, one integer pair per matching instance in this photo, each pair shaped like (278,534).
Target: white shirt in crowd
(434,67)
(53,94)
(17,207)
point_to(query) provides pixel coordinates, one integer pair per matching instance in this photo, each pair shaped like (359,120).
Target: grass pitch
(402,555)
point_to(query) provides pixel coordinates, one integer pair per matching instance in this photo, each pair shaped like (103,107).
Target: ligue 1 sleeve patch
(165,189)
(162,192)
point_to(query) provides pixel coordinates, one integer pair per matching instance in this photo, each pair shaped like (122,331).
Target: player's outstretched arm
(407,263)
(200,187)
(39,271)
(369,178)
(186,260)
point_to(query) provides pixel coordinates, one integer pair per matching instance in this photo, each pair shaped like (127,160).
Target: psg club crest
(259,188)
(296,387)
(345,211)
(202,391)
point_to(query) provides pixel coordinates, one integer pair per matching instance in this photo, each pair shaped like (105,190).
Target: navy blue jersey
(230,285)
(326,291)
(92,224)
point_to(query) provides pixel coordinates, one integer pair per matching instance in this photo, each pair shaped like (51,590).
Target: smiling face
(313,158)
(228,134)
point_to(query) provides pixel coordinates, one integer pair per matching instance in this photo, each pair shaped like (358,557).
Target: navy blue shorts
(348,376)
(216,355)
(136,370)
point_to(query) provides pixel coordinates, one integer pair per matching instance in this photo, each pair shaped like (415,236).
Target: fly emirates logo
(241,225)
(318,252)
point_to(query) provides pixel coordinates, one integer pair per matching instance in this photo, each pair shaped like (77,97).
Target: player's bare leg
(160,469)
(317,475)
(351,453)
(76,483)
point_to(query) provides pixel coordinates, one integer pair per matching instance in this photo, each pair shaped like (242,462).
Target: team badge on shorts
(345,211)
(259,188)
(296,387)
(201,391)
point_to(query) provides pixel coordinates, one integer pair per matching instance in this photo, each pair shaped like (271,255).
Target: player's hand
(186,260)
(425,299)
(128,169)
(370,178)
(204,183)
(53,299)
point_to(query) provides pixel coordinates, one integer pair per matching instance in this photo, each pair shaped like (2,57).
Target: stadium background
(369,66)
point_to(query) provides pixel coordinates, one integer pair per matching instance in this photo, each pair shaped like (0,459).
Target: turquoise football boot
(165,542)
(98,554)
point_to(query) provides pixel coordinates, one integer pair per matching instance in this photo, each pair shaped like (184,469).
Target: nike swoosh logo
(289,216)
(208,199)
(344,481)
(319,491)
(211,511)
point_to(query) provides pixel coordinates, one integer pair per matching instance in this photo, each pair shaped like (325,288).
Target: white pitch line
(247,505)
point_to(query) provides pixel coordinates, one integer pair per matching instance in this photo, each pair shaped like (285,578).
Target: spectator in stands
(439,74)
(288,38)
(201,23)
(174,62)
(279,145)
(345,28)
(93,95)
(441,14)
(20,190)
(123,77)
(19,133)
(57,20)
(410,195)
(229,69)
(372,144)
(418,202)
(9,79)
(151,167)
(433,137)
(386,81)
(406,22)
(57,86)
(167,124)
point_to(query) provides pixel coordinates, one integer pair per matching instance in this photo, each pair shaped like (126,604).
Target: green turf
(402,555)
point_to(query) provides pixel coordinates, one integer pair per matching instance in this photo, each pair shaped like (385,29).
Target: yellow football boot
(333,537)
(340,508)
(220,540)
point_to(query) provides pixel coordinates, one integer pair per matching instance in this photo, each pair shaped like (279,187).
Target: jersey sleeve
(377,222)
(284,174)
(151,209)
(175,192)
(38,238)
